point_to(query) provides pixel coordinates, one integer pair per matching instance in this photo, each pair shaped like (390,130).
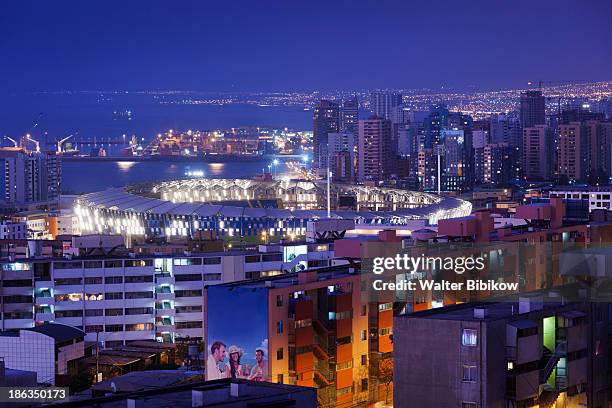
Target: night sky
(267,45)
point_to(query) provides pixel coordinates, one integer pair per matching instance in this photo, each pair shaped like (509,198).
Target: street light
(275,163)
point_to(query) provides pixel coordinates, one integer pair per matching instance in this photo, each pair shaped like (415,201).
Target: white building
(138,298)
(601,199)
(13,230)
(48,350)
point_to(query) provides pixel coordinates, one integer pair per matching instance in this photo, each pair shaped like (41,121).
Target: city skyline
(310,204)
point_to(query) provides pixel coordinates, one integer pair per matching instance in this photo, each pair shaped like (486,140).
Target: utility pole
(328,185)
(97,354)
(439,154)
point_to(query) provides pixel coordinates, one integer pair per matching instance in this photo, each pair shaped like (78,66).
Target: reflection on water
(81,177)
(216,169)
(125,166)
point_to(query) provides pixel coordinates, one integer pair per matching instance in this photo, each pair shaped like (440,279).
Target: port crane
(36,142)
(61,141)
(12,140)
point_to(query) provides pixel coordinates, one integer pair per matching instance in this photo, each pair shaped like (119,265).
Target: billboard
(290,252)
(237,335)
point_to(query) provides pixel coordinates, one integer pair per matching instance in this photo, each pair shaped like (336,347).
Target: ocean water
(51,116)
(80,177)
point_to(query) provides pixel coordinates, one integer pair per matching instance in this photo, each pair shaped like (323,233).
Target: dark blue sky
(269,45)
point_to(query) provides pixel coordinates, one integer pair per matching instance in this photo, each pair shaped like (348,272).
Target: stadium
(239,207)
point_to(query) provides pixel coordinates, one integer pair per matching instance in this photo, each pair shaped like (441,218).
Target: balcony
(164,279)
(164,295)
(43,284)
(165,312)
(323,374)
(45,317)
(164,328)
(45,300)
(165,325)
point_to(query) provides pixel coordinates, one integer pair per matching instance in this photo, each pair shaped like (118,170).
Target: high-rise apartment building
(573,153)
(599,136)
(427,168)
(28,177)
(456,171)
(326,119)
(383,104)
(374,149)
(342,148)
(537,153)
(532,109)
(349,116)
(505,129)
(436,120)
(498,159)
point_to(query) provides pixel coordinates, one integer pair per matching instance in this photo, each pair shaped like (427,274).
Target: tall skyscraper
(480,138)
(505,129)
(326,119)
(382,104)
(537,153)
(457,155)
(573,161)
(532,109)
(349,116)
(28,177)
(402,115)
(497,167)
(434,123)
(374,145)
(427,165)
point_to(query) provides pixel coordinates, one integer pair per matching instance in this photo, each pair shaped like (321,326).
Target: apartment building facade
(315,330)
(117,299)
(534,351)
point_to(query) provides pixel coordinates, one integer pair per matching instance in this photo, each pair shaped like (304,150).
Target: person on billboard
(259,372)
(217,355)
(233,368)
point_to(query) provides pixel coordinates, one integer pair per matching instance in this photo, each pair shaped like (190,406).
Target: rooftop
(60,332)
(213,394)
(502,308)
(290,279)
(145,380)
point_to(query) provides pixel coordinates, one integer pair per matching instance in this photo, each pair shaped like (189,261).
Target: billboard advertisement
(237,335)
(291,252)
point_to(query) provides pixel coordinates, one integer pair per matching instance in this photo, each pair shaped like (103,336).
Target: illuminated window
(469,337)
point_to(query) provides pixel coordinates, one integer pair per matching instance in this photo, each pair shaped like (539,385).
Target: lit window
(469,337)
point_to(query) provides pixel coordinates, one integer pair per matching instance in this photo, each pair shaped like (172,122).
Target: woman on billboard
(233,368)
